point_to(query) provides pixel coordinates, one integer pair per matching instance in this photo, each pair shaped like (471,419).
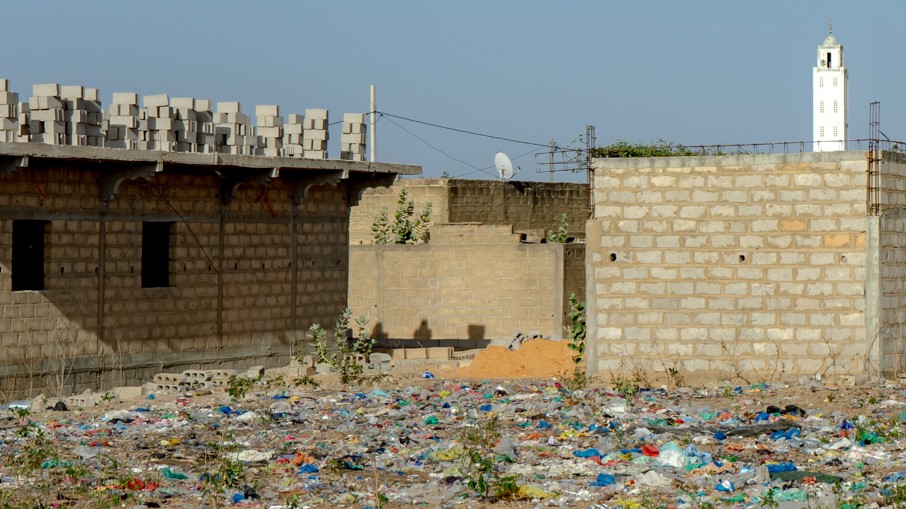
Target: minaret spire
(830,26)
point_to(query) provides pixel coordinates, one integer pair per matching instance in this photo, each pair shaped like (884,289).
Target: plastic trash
(781,467)
(530,491)
(170,474)
(604,480)
(587,453)
(308,468)
(670,455)
(726,486)
(427,374)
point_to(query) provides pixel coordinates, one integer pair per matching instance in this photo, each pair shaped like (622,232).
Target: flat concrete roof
(104,155)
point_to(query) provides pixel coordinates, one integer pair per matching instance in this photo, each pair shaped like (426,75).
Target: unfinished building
(124,263)
(748,266)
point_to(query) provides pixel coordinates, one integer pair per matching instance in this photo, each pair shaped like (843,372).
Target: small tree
(407,227)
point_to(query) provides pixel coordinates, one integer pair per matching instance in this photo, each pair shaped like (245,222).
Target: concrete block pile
(270,130)
(9,114)
(352,139)
(233,130)
(73,115)
(120,125)
(46,116)
(315,135)
(82,115)
(204,119)
(292,135)
(185,127)
(155,124)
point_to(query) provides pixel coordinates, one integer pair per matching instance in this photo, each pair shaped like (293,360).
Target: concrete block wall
(726,267)
(525,205)
(229,305)
(470,282)
(890,243)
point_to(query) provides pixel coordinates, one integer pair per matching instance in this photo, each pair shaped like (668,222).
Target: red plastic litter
(650,450)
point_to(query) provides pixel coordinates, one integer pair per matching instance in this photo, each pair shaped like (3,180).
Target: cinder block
(4,85)
(125,98)
(229,107)
(154,101)
(267,110)
(416,353)
(183,102)
(439,352)
(202,105)
(294,118)
(7,98)
(72,92)
(354,118)
(316,114)
(45,89)
(92,94)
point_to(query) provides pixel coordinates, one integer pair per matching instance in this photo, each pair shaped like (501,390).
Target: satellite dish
(504,166)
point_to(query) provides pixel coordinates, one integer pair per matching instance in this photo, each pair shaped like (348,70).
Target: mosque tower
(829,97)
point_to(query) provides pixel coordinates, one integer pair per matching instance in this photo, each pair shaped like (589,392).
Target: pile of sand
(538,358)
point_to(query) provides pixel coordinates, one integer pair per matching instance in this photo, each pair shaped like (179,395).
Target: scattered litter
(419,442)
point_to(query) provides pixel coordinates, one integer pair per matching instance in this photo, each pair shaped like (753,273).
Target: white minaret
(830,117)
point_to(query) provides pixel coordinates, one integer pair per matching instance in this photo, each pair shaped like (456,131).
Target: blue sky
(697,72)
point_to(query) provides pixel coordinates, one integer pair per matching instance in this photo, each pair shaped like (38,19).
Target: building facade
(748,267)
(118,264)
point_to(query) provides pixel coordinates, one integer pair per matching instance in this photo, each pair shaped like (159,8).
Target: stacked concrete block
(270,130)
(292,135)
(46,115)
(24,117)
(185,125)
(233,132)
(9,114)
(83,115)
(352,139)
(204,118)
(315,136)
(120,125)
(155,124)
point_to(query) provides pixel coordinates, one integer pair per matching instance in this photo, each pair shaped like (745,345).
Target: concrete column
(873,294)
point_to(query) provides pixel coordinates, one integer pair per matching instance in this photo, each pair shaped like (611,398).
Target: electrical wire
(464,131)
(491,166)
(186,223)
(477,169)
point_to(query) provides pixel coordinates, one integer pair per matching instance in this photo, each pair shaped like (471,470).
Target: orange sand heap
(538,358)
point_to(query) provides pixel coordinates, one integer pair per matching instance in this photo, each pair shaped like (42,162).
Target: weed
(407,227)
(562,234)
(349,358)
(482,477)
(628,387)
(307,381)
(239,386)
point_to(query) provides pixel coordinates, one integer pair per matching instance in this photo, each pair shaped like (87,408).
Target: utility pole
(589,145)
(550,161)
(373,133)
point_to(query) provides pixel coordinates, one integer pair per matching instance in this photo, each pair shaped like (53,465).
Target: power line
(432,146)
(491,166)
(464,131)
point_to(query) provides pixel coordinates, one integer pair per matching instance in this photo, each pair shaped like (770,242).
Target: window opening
(29,238)
(156,242)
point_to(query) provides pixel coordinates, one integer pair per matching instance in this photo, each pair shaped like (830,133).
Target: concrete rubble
(285,438)
(73,115)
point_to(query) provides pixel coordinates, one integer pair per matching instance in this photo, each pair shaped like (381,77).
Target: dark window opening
(156,254)
(28,254)
(828,60)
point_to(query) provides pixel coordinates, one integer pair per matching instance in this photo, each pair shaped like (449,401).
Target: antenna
(504,166)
